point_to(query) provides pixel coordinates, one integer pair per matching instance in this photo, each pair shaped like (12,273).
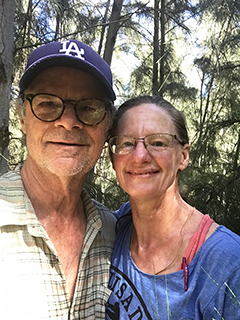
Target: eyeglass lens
(50,108)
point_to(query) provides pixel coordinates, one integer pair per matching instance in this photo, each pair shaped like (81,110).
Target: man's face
(64,147)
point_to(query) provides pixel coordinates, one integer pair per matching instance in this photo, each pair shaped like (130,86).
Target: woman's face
(141,174)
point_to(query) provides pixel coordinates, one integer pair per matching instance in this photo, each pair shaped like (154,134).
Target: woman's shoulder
(226,236)
(124,217)
(125,208)
(221,249)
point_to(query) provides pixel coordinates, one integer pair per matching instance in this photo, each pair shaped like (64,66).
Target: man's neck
(51,194)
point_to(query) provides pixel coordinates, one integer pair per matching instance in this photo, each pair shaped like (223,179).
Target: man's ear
(184,157)
(23,124)
(113,166)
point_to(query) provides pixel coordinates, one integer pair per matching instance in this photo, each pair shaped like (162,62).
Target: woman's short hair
(177,116)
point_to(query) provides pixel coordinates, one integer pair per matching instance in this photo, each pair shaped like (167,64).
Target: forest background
(186,51)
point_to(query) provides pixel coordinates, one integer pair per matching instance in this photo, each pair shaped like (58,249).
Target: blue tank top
(137,295)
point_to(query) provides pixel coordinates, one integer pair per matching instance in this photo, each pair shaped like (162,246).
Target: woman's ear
(112,160)
(184,157)
(111,156)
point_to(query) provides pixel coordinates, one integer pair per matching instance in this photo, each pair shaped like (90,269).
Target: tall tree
(162,46)
(156,53)
(103,28)
(160,63)
(112,30)
(214,175)
(6,53)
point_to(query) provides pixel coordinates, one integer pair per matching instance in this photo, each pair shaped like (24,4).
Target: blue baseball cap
(69,53)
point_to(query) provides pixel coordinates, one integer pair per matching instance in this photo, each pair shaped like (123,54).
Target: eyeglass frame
(30,97)
(174,137)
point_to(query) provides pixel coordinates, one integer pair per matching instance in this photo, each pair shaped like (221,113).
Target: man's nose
(69,119)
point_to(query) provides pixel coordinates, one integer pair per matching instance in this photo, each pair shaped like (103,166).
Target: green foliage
(17,144)
(213,175)
(211,183)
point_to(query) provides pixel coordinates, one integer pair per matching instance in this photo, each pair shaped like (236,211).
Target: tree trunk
(162,51)
(7,8)
(103,27)
(112,30)
(27,23)
(155,48)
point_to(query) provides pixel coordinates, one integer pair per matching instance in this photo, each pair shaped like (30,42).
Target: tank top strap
(197,239)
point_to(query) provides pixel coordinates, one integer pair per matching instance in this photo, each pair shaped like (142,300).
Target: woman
(170,261)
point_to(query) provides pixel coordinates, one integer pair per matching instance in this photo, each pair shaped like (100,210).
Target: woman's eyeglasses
(154,143)
(48,108)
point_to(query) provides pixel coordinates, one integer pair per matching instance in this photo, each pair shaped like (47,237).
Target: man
(56,243)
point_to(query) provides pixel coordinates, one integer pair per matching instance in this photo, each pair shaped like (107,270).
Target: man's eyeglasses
(48,108)
(154,143)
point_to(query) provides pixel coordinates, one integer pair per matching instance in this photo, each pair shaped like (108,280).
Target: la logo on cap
(72,49)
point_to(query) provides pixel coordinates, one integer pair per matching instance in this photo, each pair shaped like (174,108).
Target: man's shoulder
(108,221)
(12,205)
(10,176)
(11,182)
(105,213)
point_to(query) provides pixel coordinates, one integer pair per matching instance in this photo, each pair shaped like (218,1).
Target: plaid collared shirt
(32,283)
